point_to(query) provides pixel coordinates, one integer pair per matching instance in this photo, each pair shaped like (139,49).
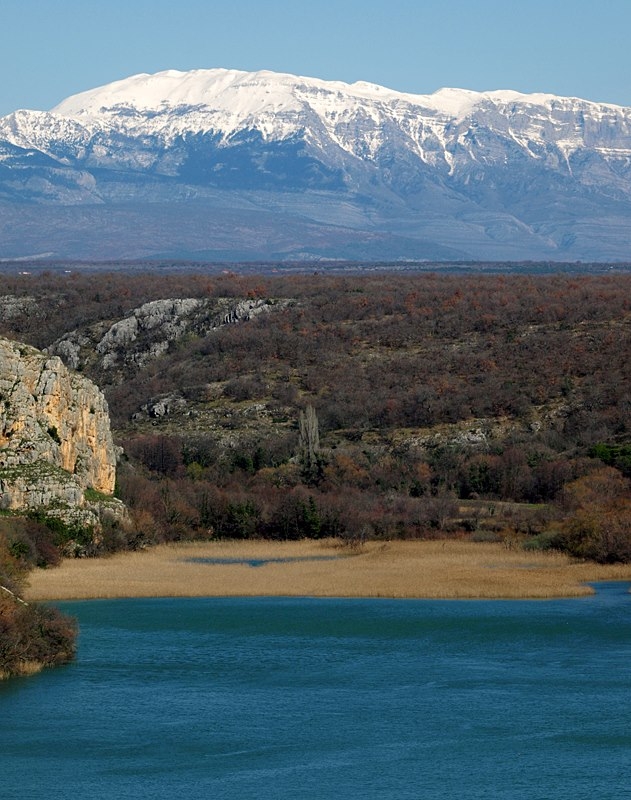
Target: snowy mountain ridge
(475,173)
(170,103)
(222,88)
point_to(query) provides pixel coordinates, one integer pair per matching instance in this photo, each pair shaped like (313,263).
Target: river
(306,698)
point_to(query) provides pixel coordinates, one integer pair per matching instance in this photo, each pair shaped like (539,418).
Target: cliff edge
(57,455)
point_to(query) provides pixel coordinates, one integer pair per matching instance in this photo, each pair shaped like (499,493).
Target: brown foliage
(597,524)
(543,357)
(31,636)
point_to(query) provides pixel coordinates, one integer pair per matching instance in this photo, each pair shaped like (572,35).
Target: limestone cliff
(55,438)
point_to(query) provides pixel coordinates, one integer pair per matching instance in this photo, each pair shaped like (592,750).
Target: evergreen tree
(309,443)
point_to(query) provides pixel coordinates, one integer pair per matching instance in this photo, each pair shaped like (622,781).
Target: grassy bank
(424,569)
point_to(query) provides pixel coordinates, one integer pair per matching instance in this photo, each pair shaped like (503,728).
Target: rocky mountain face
(235,165)
(56,448)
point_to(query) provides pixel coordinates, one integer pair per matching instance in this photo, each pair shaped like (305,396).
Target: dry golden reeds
(423,569)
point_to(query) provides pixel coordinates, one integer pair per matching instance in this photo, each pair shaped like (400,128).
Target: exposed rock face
(150,330)
(160,322)
(55,438)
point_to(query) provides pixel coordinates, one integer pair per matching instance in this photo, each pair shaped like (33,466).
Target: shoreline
(443,569)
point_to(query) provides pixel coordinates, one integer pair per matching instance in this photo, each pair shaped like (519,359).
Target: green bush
(614,455)
(548,540)
(64,532)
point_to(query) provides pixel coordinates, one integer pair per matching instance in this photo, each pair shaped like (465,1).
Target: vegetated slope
(440,401)
(32,636)
(239,165)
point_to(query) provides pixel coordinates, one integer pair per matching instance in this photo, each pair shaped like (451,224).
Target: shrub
(30,542)
(548,540)
(32,636)
(597,523)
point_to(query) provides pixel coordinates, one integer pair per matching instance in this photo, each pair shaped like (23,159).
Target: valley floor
(403,569)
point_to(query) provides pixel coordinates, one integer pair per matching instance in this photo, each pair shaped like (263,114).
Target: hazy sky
(50,49)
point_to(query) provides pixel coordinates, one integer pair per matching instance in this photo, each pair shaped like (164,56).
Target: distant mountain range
(230,165)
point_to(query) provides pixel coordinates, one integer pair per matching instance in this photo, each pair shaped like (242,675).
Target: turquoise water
(304,698)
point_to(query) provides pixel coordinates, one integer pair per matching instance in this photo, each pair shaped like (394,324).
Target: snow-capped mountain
(260,165)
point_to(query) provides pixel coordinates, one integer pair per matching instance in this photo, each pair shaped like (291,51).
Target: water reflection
(260,562)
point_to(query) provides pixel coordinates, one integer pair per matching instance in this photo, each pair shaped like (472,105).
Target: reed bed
(421,569)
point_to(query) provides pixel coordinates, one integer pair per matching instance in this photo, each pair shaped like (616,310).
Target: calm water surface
(304,698)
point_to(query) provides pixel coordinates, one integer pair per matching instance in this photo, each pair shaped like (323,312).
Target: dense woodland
(435,396)
(366,405)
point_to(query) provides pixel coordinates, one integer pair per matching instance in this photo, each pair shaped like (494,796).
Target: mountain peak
(494,175)
(232,90)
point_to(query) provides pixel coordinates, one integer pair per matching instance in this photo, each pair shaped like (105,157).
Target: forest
(364,405)
(441,405)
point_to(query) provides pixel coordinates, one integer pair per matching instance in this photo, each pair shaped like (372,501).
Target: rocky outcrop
(147,332)
(56,447)
(12,306)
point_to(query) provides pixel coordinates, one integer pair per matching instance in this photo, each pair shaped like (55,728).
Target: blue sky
(50,49)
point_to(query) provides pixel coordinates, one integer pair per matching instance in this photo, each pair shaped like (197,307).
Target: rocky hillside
(439,399)
(56,448)
(115,349)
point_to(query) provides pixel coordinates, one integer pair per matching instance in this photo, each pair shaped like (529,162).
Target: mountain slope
(272,165)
